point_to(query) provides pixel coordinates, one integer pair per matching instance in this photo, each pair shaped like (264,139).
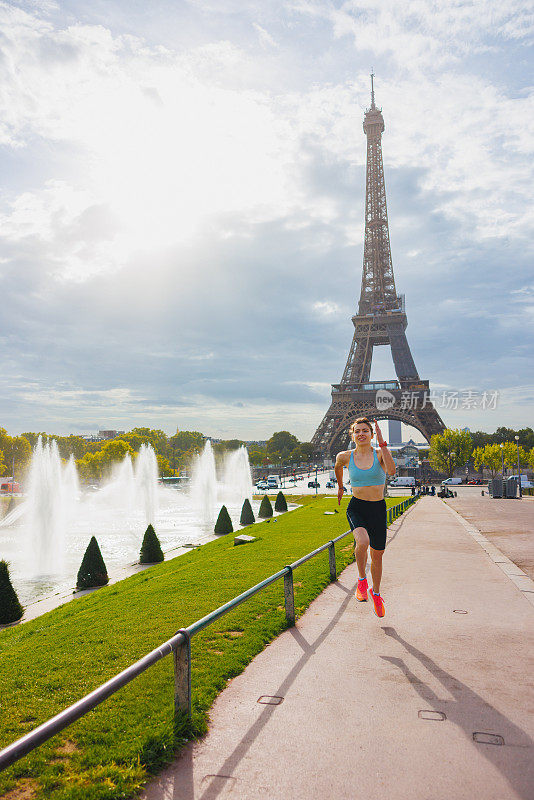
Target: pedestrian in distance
(366,513)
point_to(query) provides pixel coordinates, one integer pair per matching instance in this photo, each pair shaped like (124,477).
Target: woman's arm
(384,455)
(341,462)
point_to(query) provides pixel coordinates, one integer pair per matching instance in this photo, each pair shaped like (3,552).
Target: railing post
(332,560)
(182,675)
(289,596)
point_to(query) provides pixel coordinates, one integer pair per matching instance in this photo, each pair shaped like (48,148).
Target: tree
(157,438)
(450,450)
(92,571)
(16,452)
(247,515)
(2,465)
(184,446)
(151,552)
(32,437)
(266,509)
(280,502)
(114,451)
(503,434)
(70,446)
(224,523)
(489,457)
(281,444)
(182,441)
(526,438)
(227,445)
(256,456)
(510,451)
(302,453)
(10,607)
(93,466)
(164,467)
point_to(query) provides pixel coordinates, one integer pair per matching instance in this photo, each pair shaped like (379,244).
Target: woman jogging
(366,512)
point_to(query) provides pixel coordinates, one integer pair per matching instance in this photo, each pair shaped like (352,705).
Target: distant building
(395,431)
(406,456)
(109,434)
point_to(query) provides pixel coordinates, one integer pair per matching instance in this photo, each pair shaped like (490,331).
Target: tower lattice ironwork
(381,320)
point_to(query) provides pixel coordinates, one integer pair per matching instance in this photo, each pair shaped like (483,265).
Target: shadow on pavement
(470,712)
(183,788)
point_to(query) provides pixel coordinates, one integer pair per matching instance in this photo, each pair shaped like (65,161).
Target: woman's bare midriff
(369,492)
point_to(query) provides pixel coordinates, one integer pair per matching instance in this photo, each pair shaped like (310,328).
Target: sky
(182,201)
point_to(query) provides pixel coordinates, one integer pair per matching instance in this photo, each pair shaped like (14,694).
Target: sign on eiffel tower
(381,320)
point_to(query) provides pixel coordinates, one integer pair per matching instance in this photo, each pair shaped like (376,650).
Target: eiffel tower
(381,320)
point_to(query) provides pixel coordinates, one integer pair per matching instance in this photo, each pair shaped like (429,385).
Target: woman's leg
(361,544)
(376,568)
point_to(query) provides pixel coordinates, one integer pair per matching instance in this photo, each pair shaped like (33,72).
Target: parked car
(332,485)
(261,485)
(451,482)
(314,485)
(407,480)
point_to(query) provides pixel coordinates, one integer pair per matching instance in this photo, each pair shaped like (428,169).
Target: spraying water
(45,536)
(237,477)
(52,495)
(204,484)
(146,479)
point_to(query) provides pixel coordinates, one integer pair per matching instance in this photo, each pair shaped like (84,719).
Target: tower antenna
(372,89)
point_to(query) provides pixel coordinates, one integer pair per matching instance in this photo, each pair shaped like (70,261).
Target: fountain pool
(45,537)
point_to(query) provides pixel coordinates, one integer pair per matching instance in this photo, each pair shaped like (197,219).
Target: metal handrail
(180,646)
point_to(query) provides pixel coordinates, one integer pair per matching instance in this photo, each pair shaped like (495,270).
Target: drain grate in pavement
(459,611)
(439,716)
(270,700)
(487,738)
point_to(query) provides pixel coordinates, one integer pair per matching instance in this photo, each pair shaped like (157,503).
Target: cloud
(181,225)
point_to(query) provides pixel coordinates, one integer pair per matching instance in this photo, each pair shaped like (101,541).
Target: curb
(523,582)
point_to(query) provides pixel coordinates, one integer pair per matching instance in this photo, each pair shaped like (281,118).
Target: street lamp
(502,459)
(316,468)
(518,467)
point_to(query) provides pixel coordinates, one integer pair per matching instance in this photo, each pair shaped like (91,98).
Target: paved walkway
(425,704)
(508,524)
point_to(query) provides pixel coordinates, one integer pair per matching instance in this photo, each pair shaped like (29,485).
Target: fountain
(146,479)
(45,536)
(237,477)
(52,494)
(203,490)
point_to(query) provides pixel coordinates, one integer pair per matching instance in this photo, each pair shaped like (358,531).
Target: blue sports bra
(374,476)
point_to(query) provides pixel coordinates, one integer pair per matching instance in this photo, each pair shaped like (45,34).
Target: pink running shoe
(378,603)
(361,590)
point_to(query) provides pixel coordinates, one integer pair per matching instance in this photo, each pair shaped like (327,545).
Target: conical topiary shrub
(93,571)
(266,509)
(280,503)
(224,523)
(151,552)
(247,514)
(10,608)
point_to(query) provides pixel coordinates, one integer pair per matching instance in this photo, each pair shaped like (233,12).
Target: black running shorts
(371,515)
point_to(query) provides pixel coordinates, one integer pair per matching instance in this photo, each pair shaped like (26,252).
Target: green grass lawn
(50,662)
